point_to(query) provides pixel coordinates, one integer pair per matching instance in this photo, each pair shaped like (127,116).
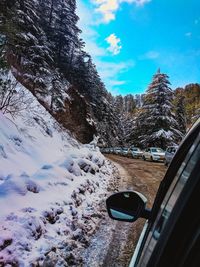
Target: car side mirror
(127,206)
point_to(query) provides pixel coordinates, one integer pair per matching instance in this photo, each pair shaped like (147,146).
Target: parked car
(117,150)
(171,234)
(125,151)
(107,150)
(102,149)
(169,154)
(154,154)
(111,150)
(135,152)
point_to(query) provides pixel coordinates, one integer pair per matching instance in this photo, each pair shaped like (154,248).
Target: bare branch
(13,99)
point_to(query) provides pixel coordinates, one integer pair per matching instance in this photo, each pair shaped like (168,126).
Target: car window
(174,191)
(173,150)
(169,201)
(169,150)
(156,150)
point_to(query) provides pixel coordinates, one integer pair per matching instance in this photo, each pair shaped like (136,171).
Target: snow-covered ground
(51,188)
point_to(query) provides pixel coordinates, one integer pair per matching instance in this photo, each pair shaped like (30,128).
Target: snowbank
(51,188)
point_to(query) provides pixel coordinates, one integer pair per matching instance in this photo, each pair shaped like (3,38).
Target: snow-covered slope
(50,190)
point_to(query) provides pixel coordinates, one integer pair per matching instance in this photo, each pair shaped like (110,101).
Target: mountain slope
(40,42)
(51,188)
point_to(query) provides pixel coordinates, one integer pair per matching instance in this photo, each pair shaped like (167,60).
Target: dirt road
(114,243)
(143,176)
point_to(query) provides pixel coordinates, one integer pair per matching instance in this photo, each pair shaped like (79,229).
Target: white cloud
(116,83)
(108,8)
(150,55)
(93,49)
(89,34)
(109,71)
(114,44)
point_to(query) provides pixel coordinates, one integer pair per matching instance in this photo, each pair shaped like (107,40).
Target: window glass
(173,150)
(156,150)
(170,199)
(134,149)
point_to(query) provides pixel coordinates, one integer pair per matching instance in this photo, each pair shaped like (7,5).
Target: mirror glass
(125,206)
(120,215)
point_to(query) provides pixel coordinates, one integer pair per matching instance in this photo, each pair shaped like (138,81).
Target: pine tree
(156,125)
(45,53)
(129,104)
(118,104)
(192,102)
(180,112)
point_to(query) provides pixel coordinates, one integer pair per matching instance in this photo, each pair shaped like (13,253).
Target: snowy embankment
(51,188)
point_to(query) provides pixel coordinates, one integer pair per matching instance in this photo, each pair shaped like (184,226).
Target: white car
(135,152)
(169,154)
(124,151)
(117,150)
(154,154)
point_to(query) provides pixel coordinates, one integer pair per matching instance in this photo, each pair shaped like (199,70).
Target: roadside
(143,176)
(114,243)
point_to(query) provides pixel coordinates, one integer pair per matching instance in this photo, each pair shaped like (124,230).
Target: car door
(148,153)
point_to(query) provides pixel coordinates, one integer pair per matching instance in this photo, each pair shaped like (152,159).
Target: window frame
(179,157)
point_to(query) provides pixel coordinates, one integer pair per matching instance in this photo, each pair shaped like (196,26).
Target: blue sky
(130,39)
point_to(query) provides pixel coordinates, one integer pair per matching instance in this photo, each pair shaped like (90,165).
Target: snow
(51,187)
(163,133)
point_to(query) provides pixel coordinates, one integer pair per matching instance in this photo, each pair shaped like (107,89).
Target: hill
(51,188)
(40,44)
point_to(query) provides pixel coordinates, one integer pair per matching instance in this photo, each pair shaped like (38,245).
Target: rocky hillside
(51,189)
(40,44)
